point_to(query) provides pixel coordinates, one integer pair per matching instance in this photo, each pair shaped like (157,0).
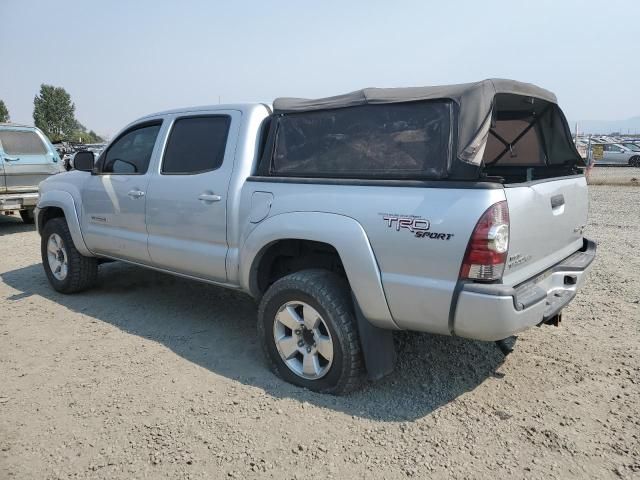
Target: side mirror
(84,161)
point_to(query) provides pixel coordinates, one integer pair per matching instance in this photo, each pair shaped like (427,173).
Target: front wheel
(308,330)
(68,271)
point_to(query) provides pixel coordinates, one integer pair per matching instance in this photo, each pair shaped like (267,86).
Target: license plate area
(542,277)
(11,203)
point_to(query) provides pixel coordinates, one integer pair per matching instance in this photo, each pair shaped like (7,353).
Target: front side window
(388,141)
(196,145)
(16,142)
(131,153)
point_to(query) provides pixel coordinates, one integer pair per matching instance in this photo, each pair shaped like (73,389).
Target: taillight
(487,250)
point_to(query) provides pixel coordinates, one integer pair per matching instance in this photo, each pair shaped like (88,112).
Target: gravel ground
(620,176)
(154,376)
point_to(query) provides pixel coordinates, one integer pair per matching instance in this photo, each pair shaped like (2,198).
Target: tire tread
(334,294)
(83,271)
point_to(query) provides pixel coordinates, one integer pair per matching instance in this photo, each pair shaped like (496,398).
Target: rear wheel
(27,216)
(635,161)
(68,271)
(308,330)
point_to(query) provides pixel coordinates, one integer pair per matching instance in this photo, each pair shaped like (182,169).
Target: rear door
(26,159)
(187,198)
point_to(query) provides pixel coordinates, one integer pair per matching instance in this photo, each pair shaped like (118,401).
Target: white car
(618,154)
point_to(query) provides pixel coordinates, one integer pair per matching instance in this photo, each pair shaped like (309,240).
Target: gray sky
(122,59)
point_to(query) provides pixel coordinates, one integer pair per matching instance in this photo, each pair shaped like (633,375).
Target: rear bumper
(494,312)
(18,201)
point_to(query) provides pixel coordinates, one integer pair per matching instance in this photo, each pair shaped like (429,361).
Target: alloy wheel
(57,257)
(303,340)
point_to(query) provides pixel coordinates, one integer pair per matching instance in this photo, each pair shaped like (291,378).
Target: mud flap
(377,346)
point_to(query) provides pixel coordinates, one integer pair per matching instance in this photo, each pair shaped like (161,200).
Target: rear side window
(390,141)
(196,145)
(21,143)
(131,153)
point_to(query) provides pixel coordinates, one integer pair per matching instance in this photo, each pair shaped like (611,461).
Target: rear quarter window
(390,141)
(21,143)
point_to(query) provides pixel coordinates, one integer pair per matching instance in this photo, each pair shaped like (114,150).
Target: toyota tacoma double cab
(455,210)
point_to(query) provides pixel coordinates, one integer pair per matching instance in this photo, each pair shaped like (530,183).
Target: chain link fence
(622,175)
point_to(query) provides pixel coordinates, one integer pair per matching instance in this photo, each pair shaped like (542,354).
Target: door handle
(557,201)
(209,197)
(11,159)
(136,194)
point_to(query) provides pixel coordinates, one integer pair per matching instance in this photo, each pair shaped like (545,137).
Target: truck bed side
(418,235)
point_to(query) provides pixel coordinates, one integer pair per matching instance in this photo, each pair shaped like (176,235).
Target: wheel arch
(333,232)
(56,204)
(288,255)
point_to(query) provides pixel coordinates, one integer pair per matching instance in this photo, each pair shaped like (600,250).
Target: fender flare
(64,200)
(349,239)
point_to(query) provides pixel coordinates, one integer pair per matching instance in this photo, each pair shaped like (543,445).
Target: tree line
(54,114)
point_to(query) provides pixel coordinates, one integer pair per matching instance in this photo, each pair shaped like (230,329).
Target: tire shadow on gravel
(10,224)
(216,329)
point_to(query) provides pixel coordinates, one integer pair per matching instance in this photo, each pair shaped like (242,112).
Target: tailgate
(25,174)
(546,223)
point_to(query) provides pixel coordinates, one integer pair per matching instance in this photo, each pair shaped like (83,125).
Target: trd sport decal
(420,227)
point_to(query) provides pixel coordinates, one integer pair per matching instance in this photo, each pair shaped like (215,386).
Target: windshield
(632,146)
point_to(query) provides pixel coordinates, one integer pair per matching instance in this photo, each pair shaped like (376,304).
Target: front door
(114,197)
(187,197)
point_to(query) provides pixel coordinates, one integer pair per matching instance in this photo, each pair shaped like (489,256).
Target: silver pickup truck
(26,158)
(456,210)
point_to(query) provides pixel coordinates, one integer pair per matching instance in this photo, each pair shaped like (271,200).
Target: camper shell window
(388,141)
(528,139)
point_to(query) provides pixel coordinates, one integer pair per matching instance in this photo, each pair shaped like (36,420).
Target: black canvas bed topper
(477,110)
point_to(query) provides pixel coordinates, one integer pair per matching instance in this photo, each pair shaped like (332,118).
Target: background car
(618,154)
(26,158)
